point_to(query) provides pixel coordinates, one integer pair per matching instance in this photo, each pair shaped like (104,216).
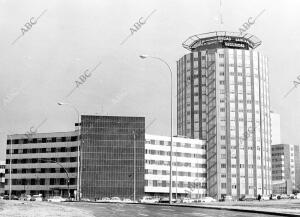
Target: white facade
(275,128)
(223,98)
(189,163)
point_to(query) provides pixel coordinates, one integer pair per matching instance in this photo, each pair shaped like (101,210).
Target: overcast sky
(73,36)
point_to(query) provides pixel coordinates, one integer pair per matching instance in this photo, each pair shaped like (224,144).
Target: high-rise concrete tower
(223,98)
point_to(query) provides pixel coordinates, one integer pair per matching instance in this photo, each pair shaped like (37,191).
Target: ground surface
(75,209)
(39,209)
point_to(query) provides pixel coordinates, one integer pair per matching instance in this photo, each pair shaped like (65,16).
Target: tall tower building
(223,98)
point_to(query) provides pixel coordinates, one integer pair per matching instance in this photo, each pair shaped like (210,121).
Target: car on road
(56,199)
(208,200)
(115,200)
(148,199)
(187,200)
(297,196)
(265,197)
(247,198)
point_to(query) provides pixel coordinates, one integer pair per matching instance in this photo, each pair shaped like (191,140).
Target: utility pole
(10,141)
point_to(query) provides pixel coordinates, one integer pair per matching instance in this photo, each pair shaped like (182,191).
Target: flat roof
(199,40)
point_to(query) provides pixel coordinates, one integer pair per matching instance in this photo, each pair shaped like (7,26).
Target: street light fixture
(171,145)
(78,150)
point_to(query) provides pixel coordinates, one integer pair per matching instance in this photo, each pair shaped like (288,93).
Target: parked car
(14,197)
(85,199)
(187,200)
(265,197)
(104,199)
(247,198)
(297,196)
(292,196)
(148,199)
(56,199)
(5,197)
(127,200)
(166,200)
(284,196)
(115,200)
(208,200)
(25,197)
(227,198)
(275,197)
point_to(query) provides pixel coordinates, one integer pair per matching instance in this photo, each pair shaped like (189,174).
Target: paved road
(140,210)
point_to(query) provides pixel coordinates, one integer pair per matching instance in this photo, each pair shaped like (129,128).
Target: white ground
(39,209)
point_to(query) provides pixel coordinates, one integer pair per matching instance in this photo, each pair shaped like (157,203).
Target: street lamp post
(68,177)
(171,145)
(78,151)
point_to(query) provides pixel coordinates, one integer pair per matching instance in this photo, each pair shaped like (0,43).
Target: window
(223,185)
(223,165)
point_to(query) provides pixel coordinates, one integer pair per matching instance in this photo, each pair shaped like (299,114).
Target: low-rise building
(285,170)
(41,164)
(188,171)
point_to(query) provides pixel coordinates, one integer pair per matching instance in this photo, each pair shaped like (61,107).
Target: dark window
(44,140)
(74,138)
(15,151)
(52,181)
(7,151)
(24,151)
(53,139)
(73,149)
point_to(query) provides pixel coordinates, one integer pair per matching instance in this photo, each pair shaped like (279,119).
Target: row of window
(43,140)
(241,166)
(42,150)
(42,170)
(42,160)
(179,164)
(178,144)
(37,181)
(179,173)
(177,154)
(162,183)
(224,186)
